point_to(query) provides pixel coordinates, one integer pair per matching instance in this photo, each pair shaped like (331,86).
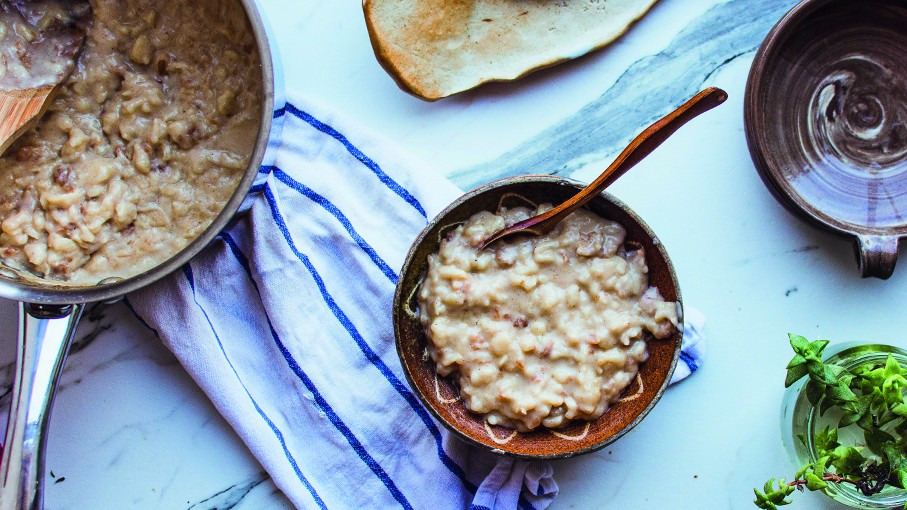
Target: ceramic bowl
(825,114)
(440,395)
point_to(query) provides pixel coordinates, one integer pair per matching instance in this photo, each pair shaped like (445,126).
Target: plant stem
(829,477)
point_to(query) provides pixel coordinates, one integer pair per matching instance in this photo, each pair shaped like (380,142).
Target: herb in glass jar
(862,446)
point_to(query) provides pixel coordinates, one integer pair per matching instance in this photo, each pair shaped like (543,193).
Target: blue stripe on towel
(139,317)
(523,503)
(326,408)
(187,270)
(336,213)
(358,154)
(691,363)
(364,347)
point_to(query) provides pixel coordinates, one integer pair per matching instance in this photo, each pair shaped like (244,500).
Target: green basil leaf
(897,459)
(891,367)
(825,405)
(800,344)
(815,483)
(900,476)
(816,348)
(877,440)
(771,498)
(849,417)
(814,391)
(847,459)
(795,373)
(841,392)
(826,440)
(828,375)
(796,361)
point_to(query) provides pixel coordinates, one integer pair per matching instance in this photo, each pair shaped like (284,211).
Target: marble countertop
(131,430)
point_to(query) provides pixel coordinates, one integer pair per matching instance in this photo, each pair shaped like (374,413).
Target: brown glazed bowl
(825,115)
(440,395)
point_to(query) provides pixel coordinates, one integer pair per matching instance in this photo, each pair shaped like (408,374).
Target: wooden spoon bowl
(19,110)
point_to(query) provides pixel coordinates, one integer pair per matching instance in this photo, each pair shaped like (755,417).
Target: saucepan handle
(45,333)
(876,255)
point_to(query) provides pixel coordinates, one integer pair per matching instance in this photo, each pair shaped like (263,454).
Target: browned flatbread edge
(412,84)
(385,59)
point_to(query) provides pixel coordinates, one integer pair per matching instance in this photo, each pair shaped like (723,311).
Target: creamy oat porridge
(540,331)
(39,40)
(142,147)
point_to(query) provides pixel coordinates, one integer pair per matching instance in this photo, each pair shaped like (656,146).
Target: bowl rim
(754,130)
(400,295)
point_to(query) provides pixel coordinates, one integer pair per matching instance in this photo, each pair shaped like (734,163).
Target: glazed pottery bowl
(440,395)
(825,114)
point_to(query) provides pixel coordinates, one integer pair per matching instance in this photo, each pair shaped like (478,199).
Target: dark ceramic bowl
(825,114)
(440,395)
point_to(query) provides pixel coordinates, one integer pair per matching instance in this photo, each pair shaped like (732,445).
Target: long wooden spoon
(34,67)
(639,148)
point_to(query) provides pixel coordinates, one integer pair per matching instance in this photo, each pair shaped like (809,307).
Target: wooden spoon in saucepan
(36,60)
(639,148)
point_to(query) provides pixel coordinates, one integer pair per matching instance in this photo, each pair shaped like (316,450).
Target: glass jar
(799,419)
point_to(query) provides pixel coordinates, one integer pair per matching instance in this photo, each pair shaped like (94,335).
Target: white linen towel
(284,321)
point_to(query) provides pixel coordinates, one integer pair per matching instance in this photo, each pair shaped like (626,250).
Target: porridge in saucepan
(540,330)
(142,147)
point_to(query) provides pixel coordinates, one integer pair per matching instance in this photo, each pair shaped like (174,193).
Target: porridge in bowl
(142,147)
(540,331)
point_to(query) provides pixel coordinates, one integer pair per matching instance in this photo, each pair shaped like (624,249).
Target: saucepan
(48,314)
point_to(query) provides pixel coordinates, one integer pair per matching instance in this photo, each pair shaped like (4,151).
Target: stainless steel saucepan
(48,316)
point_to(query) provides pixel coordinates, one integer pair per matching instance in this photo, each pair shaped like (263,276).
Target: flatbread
(435,48)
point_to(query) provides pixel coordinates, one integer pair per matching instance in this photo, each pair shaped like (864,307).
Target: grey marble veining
(786,253)
(231,496)
(649,89)
(238,495)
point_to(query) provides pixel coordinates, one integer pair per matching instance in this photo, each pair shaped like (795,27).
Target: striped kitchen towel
(284,321)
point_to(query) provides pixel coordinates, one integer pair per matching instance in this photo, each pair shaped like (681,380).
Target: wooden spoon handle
(639,148)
